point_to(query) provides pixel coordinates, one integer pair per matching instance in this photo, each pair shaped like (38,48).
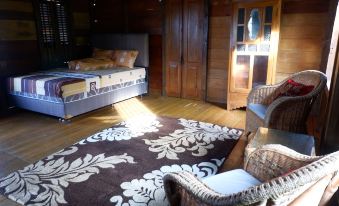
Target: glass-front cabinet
(254,46)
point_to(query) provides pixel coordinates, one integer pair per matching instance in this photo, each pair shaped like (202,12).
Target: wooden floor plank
(26,137)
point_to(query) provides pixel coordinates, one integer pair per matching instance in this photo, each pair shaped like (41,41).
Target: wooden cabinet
(254,47)
(185,48)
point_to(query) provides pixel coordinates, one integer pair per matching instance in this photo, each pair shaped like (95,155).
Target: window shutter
(62,22)
(54,29)
(46,20)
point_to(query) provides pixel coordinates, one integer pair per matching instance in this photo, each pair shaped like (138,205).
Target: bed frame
(103,41)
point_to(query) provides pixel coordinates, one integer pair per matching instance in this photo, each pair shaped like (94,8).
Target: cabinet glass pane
(240,34)
(253,24)
(241,16)
(259,70)
(265,48)
(268,14)
(241,71)
(252,47)
(267,33)
(241,47)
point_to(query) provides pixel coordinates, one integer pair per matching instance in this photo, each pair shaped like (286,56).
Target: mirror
(253,24)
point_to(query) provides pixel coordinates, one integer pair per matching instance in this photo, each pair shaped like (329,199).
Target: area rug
(123,165)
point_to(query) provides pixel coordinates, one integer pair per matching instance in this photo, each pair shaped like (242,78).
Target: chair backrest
(310,77)
(291,113)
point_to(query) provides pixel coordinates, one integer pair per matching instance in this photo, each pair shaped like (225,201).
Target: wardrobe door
(194,57)
(173,57)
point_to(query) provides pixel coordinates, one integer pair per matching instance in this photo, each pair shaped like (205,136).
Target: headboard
(124,42)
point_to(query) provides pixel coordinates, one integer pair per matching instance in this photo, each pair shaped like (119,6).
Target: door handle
(173,66)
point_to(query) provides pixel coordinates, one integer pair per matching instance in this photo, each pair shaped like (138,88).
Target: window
(54,32)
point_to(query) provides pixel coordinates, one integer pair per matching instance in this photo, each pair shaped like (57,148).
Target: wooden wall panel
(108,16)
(16,30)
(81,26)
(218,50)
(302,36)
(19,51)
(304,6)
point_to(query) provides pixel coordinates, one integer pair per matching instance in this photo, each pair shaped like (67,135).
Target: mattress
(63,85)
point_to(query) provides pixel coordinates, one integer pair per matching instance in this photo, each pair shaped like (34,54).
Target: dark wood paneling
(220,8)
(193,50)
(16,15)
(155,71)
(174,18)
(145,17)
(108,16)
(305,6)
(10,50)
(19,53)
(81,25)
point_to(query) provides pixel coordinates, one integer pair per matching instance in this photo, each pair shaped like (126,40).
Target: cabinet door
(194,68)
(173,47)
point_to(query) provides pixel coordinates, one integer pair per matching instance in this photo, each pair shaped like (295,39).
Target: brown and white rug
(122,165)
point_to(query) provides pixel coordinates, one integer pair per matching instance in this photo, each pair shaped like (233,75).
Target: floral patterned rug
(123,165)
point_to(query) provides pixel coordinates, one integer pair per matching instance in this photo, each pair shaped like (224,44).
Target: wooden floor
(26,137)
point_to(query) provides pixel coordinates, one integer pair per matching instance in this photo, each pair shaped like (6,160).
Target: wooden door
(254,43)
(186,46)
(173,59)
(194,69)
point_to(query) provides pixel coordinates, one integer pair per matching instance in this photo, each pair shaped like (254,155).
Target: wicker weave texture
(285,113)
(286,175)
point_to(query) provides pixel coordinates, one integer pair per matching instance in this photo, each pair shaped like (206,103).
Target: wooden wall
(19,51)
(218,50)
(80,28)
(134,16)
(302,36)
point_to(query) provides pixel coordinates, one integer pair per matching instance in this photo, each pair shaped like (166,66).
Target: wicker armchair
(284,113)
(289,178)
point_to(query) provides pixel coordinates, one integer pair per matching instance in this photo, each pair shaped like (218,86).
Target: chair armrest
(183,188)
(260,93)
(271,161)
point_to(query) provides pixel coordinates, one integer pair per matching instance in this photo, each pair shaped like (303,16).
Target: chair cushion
(258,109)
(231,182)
(296,89)
(289,88)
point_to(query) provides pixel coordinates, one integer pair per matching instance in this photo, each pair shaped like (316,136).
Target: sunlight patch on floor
(127,110)
(132,108)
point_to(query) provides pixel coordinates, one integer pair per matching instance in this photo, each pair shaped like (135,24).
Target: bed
(67,93)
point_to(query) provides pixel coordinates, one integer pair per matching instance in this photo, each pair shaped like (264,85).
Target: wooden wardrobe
(186,25)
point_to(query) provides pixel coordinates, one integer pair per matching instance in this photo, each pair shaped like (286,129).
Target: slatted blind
(54,21)
(46,21)
(62,22)
(54,29)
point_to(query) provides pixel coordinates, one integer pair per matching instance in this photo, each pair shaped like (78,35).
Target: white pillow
(233,181)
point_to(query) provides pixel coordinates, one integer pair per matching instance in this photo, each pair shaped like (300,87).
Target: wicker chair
(284,113)
(289,178)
